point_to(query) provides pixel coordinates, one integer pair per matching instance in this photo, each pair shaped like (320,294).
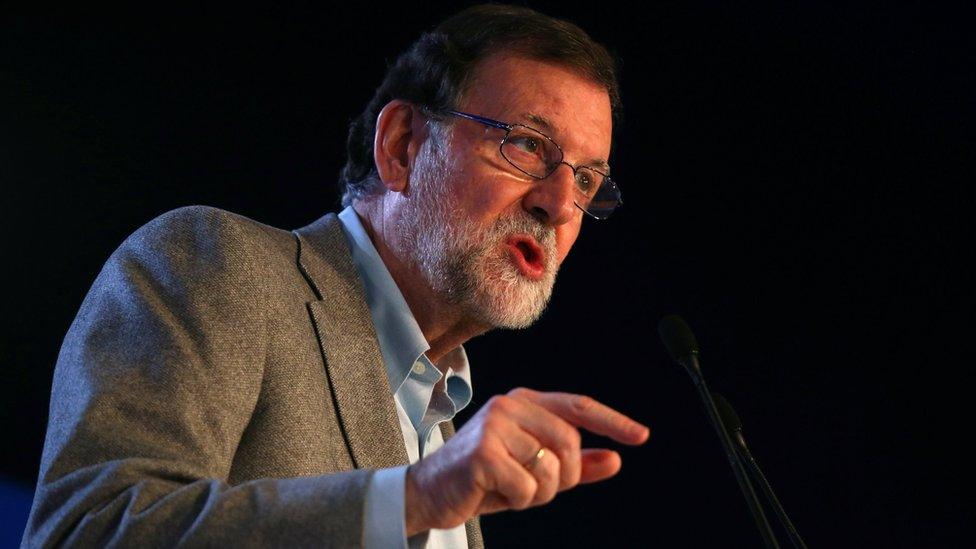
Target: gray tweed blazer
(222,385)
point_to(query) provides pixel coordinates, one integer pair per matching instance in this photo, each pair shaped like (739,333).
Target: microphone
(683,348)
(733,425)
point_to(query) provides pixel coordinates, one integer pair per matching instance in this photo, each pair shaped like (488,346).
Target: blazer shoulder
(207,248)
(203,234)
(206,224)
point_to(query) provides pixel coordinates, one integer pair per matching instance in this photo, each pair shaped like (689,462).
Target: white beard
(467,265)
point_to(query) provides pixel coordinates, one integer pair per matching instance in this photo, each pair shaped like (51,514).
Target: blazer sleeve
(155,383)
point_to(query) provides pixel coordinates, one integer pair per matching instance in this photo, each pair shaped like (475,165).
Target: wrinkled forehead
(553,98)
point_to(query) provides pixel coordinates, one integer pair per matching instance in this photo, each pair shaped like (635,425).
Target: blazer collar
(353,360)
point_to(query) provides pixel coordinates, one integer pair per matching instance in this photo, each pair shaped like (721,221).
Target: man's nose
(552,200)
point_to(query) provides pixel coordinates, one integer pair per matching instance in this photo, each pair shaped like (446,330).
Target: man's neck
(444,325)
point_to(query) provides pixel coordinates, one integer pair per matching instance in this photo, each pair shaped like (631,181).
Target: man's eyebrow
(599,165)
(540,122)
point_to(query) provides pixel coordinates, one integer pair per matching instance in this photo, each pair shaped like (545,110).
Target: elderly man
(228,383)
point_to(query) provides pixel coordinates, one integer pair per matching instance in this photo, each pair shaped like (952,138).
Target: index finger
(588,413)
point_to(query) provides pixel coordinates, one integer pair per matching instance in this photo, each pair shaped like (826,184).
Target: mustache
(523,222)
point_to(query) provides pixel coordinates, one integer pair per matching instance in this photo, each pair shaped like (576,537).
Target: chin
(509,300)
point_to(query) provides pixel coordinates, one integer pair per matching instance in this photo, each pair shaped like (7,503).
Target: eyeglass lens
(538,156)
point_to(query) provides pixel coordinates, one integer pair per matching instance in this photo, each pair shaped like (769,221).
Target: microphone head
(725,411)
(677,337)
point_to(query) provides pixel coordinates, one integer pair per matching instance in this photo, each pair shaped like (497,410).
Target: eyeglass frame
(508,130)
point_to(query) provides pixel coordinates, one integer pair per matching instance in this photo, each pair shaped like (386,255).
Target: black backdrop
(797,181)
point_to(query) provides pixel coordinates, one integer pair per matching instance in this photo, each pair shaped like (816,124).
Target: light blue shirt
(420,407)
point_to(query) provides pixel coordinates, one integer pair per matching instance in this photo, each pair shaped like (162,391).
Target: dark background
(797,181)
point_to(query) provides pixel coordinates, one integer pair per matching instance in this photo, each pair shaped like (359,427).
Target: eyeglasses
(535,154)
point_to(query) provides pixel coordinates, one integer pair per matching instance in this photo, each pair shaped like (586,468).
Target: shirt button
(419,368)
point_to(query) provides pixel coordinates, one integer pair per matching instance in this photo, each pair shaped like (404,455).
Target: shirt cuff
(385,522)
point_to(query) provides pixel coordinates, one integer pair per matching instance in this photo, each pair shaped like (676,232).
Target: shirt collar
(400,338)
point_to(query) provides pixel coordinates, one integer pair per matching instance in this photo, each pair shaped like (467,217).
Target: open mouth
(527,256)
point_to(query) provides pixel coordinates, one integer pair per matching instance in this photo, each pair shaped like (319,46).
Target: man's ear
(400,130)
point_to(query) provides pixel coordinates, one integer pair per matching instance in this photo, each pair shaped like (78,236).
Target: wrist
(415,515)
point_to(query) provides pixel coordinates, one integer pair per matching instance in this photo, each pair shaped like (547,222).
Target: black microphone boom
(733,425)
(681,344)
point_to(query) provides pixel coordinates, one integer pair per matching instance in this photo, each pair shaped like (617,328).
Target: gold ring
(536,459)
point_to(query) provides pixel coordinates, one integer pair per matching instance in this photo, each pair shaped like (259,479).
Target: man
(228,383)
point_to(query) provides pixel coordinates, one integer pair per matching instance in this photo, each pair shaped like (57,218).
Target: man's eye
(586,182)
(526,144)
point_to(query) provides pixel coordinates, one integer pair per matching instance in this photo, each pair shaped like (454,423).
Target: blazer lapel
(353,360)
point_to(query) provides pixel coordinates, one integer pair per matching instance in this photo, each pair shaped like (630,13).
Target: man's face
(487,237)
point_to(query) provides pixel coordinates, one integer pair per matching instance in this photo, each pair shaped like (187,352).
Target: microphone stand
(746,455)
(690,362)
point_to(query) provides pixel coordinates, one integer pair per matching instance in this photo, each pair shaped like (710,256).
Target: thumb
(598,464)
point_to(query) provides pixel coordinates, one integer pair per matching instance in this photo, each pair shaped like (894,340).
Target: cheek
(490,196)
(565,237)
(472,186)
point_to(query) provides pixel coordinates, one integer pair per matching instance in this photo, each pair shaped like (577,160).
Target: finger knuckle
(549,485)
(492,424)
(553,471)
(547,496)
(523,496)
(566,440)
(520,392)
(486,455)
(582,404)
(568,472)
(571,438)
(571,477)
(499,405)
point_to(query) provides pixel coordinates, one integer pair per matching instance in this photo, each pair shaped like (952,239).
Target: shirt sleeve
(385,518)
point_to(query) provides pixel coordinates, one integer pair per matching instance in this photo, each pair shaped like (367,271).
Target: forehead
(515,89)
